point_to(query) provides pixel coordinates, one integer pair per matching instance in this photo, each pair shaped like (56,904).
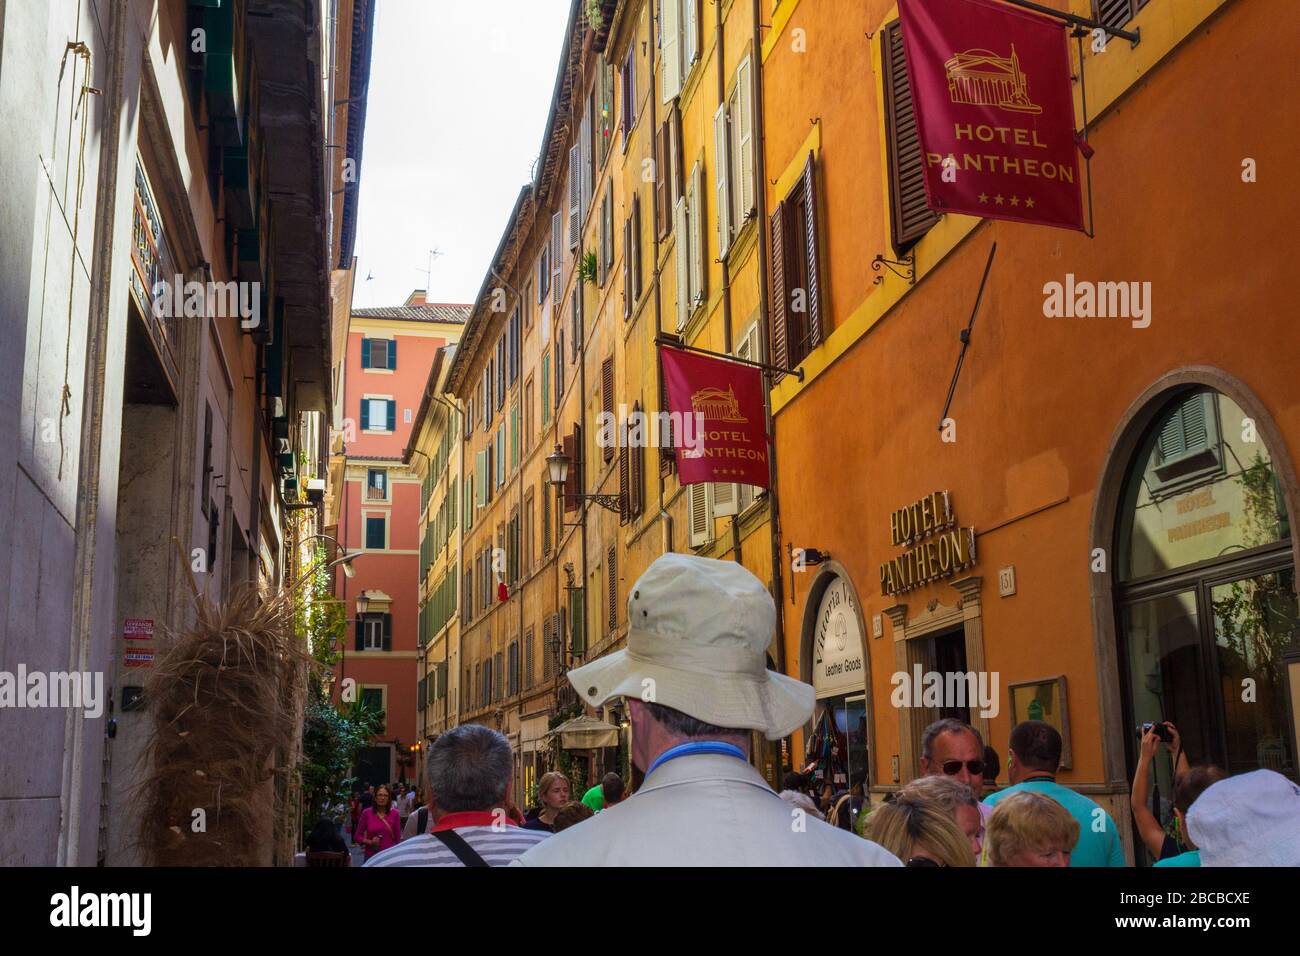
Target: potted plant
(587,267)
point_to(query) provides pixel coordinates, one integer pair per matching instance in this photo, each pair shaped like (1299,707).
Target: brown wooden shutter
(675,155)
(780,299)
(910,215)
(636,248)
(571,480)
(814,332)
(611,577)
(607,397)
(624,511)
(667,451)
(1116,13)
(636,476)
(627,268)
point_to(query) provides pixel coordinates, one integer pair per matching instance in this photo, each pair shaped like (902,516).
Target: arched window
(1205,589)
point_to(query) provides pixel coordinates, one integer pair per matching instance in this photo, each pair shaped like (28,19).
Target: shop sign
(936,547)
(838,657)
(137,629)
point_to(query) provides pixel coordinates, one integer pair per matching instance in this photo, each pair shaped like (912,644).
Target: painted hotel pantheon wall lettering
(936,548)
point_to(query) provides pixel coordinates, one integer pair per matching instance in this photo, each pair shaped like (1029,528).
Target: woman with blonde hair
(920,832)
(957,800)
(1030,829)
(552,795)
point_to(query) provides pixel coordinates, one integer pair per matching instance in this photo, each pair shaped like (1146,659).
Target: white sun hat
(1252,819)
(697,641)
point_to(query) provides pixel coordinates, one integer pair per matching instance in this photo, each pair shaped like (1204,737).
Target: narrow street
(638,433)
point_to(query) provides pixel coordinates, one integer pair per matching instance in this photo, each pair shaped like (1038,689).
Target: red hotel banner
(994,110)
(718,421)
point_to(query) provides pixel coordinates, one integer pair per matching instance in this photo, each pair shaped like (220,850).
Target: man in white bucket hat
(695,676)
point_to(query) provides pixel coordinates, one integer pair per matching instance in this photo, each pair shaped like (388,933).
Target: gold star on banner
(1015,200)
(984,197)
(1029,203)
(998,199)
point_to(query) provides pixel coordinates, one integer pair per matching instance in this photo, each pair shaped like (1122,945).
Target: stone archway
(1124,444)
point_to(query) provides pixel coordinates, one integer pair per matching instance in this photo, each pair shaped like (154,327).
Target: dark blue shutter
(365,414)
(365,353)
(392,353)
(388,632)
(392,415)
(361,634)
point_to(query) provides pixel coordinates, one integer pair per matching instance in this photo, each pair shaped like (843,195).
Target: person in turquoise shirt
(1035,756)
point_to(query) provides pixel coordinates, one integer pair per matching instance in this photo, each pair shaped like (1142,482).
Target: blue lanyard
(696,747)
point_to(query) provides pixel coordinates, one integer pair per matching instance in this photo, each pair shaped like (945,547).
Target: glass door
(1254,619)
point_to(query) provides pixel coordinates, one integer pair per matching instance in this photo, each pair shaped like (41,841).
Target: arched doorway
(1202,582)
(834,659)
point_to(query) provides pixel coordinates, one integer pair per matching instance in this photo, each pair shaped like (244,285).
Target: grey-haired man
(469,771)
(696,680)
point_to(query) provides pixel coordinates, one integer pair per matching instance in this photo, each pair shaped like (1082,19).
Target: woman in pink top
(379,826)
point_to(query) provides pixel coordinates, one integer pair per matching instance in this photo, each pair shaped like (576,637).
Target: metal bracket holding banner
(675,343)
(1133,36)
(965,339)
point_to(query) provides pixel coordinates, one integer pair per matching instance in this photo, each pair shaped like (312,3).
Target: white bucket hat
(1252,819)
(697,641)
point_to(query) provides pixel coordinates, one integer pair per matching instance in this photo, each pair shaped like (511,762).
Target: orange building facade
(1100,529)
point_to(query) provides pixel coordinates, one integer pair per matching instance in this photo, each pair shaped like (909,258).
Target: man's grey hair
(469,769)
(947,792)
(949,725)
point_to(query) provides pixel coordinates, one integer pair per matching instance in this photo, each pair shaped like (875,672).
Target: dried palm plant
(224,701)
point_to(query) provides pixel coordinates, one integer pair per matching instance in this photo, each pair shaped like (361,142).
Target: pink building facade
(390,352)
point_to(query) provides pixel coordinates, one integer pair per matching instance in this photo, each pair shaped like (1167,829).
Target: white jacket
(705,810)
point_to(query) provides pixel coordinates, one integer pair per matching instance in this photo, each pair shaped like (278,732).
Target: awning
(586,733)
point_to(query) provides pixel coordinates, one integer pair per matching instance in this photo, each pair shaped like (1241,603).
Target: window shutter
(480,478)
(724,499)
(699,239)
(514,436)
(624,511)
(744,120)
(667,453)
(813,271)
(611,580)
(529,657)
(721,165)
(602,241)
(365,414)
(910,214)
(557,254)
(388,632)
(635,248)
(683,258)
(365,352)
(636,477)
(627,268)
(571,480)
(548,652)
(361,633)
(669,33)
(607,397)
(1116,13)
(392,415)
(676,159)
(697,514)
(662,172)
(575,192)
(780,300)
(392,353)
(609,228)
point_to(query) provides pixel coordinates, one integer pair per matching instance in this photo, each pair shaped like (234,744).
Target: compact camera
(1161,731)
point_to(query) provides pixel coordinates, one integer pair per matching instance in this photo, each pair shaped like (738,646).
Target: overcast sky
(459,94)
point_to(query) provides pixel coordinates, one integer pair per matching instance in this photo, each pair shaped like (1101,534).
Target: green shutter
(365,353)
(546,388)
(392,353)
(514,436)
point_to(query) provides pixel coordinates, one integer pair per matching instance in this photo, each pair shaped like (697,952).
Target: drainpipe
(654,218)
(764,254)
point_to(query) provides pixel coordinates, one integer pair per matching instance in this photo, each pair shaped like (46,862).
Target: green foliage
(594,15)
(587,267)
(331,740)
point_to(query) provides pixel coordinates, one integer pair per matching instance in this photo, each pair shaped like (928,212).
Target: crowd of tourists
(698,639)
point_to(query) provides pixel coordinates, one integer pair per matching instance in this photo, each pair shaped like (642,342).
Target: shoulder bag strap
(454,842)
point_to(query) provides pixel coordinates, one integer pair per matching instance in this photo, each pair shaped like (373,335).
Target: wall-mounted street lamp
(558,465)
(344,560)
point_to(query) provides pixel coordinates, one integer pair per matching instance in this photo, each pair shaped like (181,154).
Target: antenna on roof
(434,253)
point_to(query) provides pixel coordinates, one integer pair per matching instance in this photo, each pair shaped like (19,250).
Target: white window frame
(368,397)
(372,622)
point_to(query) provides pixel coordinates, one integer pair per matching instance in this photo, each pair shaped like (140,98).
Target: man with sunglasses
(955,749)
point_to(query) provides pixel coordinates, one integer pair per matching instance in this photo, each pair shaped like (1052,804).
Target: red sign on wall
(994,110)
(137,629)
(719,421)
